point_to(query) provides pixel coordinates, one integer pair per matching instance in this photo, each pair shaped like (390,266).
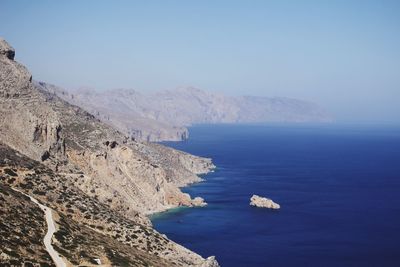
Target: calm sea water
(339,190)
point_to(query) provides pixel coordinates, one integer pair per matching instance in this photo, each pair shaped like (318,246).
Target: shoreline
(175,209)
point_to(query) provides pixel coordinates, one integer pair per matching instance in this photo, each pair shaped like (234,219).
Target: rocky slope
(99,182)
(165,115)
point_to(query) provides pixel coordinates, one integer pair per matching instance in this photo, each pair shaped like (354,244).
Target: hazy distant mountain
(165,115)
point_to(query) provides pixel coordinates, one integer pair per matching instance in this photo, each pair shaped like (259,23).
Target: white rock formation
(262,202)
(199,202)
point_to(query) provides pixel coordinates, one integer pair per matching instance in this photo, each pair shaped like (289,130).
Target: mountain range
(165,115)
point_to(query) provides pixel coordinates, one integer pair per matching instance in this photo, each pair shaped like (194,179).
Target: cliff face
(164,116)
(26,124)
(70,155)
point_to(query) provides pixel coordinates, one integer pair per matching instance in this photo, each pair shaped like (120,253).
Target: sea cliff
(99,182)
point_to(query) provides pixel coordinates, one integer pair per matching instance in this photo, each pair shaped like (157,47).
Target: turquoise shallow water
(338,187)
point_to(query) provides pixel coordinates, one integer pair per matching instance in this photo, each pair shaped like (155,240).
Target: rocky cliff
(164,116)
(99,182)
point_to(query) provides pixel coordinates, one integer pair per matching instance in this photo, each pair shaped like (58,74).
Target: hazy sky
(344,55)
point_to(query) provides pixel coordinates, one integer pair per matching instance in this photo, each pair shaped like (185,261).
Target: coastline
(154,214)
(161,214)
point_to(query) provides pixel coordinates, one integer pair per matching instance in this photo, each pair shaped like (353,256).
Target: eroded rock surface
(263,202)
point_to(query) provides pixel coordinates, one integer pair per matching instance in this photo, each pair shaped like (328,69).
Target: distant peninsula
(165,115)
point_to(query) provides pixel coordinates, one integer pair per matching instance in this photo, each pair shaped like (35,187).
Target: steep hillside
(92,176)
(88,229)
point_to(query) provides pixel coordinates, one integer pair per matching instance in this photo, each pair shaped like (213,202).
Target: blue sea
(338,187)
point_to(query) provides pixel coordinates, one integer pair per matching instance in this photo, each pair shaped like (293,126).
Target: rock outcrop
(6,50)
(262,202)
(164,116)
(100,183)
(199,202)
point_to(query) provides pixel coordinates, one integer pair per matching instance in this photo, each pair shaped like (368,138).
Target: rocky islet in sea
(263,202)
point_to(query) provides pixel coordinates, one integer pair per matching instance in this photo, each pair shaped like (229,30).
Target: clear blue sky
(344,55)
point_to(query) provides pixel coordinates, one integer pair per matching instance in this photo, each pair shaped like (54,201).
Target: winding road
(51,229)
